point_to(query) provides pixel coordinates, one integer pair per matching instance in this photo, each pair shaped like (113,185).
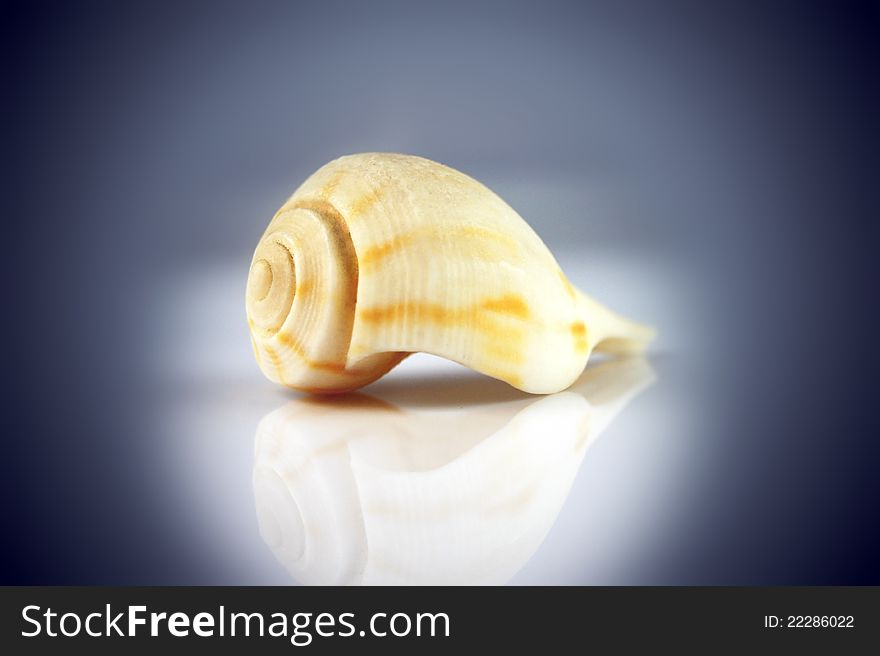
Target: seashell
(362,491)
(379,255)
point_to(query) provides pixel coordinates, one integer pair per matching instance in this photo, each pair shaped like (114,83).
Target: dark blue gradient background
(731,141)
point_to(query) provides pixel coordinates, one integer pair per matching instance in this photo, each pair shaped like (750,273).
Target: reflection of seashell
(357,491)
(379,255)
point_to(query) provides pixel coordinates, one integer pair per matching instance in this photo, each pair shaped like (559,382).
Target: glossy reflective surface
(433,475)
(357,490)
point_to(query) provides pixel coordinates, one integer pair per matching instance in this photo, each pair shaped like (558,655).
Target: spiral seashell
(379,255)
(362,491)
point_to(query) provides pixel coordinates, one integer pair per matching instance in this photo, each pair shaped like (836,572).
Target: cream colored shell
(379,255)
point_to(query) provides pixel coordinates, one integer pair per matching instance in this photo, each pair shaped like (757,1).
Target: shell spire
(379,255)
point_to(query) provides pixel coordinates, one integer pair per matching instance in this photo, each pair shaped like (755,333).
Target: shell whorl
(301,295)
